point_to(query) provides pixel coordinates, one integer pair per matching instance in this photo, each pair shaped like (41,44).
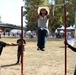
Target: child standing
(19,51)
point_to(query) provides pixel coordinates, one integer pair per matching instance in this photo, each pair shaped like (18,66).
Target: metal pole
(65,40)
(43,5)
(75,24)
(22,41)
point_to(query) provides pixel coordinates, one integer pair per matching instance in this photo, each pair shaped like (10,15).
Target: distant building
(6,27)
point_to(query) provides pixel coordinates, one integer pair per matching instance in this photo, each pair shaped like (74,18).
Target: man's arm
(35,15)
(72,48)
(48,16)
(8,44)
(11,44)
(69,46)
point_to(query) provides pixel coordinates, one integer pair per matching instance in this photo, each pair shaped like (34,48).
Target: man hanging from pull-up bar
(42,31)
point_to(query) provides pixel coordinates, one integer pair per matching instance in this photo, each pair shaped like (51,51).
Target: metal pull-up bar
(43,5)
(65,53)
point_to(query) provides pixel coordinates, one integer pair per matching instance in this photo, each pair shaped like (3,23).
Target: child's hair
(45,13)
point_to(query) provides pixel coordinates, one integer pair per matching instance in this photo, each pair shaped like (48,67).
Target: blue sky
(10,11)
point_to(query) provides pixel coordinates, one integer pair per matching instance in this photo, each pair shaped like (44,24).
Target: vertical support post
(65,40)
(75,24)
(22,40)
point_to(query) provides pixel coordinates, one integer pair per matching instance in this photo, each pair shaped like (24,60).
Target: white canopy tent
(67,28)
(70,28)
(16,31)
(62,28)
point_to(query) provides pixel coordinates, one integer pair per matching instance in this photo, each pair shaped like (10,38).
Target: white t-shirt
(43,22)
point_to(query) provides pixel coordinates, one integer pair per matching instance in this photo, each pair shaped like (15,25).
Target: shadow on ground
(8,65)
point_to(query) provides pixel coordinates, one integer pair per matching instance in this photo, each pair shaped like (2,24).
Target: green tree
(71,8)
(58,19)
(55,21)
(31,22)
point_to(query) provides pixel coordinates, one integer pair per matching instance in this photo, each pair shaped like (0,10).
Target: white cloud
(10,11)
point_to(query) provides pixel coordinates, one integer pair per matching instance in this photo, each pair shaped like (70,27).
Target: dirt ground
(48,62)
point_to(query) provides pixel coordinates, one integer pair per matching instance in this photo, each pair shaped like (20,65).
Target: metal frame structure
(65,53)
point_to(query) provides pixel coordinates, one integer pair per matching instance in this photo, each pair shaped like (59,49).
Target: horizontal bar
(43,5)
